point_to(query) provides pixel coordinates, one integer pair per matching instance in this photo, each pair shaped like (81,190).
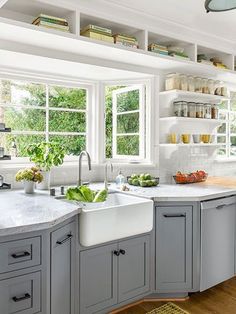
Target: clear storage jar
(199,110)
(191,83)
(183,82)
(184,109)
(214,111)
(192,110)
(207,111)
(198,85)
(177,108)
(172,81)
(205,89)
(217,88)
(211,86)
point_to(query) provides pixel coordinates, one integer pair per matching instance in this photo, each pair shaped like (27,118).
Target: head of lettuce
(84,194)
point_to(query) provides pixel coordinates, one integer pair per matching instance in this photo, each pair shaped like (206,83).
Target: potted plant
(46,155)
(29,176)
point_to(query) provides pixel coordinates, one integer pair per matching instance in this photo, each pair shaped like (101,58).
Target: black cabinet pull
(20,255)
(25,297)
(174,215)
(69,236)
(116,253)
(122,252)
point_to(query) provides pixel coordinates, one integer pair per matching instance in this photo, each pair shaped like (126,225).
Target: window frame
(151,128)
(90,87)
(142,126)
(227,134)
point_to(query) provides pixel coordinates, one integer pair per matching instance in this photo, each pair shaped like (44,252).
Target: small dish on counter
(143,180)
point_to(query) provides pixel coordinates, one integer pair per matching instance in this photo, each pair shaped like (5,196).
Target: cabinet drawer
(20,294)
(15,255)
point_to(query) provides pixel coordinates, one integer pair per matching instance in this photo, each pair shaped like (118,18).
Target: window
(37,112)
(126,122)
(226,133)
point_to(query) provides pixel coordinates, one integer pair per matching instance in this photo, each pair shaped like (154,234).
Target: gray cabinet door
(63,270)
(217,241)
(174,248)
(133,268)
(98,278)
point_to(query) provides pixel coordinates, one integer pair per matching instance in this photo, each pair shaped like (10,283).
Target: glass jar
(214,111)
(207,111)
(205,89)
(224,90)
(217,88)
(211,86)
(184,109)
(199,111)
(192,110)
(191,83)
(198,85)
(183,82)
(177,108)
(172,81)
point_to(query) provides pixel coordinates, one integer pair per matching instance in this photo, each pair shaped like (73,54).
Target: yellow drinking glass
(185,138)
(206,138)
(172,138)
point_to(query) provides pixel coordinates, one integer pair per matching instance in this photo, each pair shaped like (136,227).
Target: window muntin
(226,133)
(125,122)
(37,112)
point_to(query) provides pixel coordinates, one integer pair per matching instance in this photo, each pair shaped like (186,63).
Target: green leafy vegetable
(85,194)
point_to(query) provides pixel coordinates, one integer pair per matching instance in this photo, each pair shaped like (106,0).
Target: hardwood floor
(220,299)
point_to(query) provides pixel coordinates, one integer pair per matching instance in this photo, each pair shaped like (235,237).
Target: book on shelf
(97,28)
(50,20)
(55,18)
(52,25)
(98,36)
(85,33)
(161,52)
(127,44)
(154,46)
(125,37)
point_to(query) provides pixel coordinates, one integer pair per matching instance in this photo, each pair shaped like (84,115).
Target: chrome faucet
(83,153)
(106,174)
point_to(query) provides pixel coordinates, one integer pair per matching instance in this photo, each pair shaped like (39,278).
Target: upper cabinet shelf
(193,95)
(16,17)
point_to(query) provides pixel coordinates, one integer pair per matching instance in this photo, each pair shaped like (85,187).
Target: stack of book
(52,22)
(178,54)
(97,32)
(158,48)
(126,40)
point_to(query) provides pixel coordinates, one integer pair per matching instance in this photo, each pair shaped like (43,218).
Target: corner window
(125,122)
(43,112)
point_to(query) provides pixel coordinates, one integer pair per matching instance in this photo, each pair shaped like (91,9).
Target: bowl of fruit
(143,180)
(193,177)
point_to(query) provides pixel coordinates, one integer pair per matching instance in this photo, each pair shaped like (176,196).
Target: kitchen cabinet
(63,269)
(217,241)
(113,273)
(174,235)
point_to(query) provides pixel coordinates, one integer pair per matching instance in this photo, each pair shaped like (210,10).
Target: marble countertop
(185,193)
(20,212)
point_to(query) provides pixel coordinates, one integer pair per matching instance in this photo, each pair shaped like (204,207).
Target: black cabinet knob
(122,252)
(116,253)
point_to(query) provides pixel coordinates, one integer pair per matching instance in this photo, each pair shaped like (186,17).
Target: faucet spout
(83,153)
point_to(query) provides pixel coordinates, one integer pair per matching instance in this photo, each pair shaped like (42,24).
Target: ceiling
(190,13)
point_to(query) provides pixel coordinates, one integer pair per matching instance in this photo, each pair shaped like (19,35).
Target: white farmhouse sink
(119,217)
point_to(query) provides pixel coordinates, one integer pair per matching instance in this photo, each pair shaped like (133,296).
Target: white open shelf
(16,17)
(191,120)
(193,95)
(191,145)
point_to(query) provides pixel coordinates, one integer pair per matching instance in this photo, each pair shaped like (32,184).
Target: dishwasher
(217,241)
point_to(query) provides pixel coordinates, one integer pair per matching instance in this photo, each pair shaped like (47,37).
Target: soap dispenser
(120,179)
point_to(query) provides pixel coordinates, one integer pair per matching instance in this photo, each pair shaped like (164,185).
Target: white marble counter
(184,193)
(20,212)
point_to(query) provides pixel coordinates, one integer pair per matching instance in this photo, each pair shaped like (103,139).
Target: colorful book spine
(126,38)
(51,17)
(97,29)
(96,32)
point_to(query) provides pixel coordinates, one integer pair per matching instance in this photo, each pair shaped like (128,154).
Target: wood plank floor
(220,299)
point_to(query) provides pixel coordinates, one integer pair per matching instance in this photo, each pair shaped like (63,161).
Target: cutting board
(229,182)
